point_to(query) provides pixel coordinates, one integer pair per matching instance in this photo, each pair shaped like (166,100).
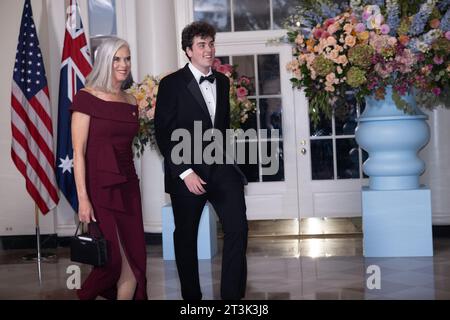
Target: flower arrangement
(368,47)
(240,106)
(145,94)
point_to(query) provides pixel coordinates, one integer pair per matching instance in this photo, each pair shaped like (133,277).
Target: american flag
(75,66)
(31,121)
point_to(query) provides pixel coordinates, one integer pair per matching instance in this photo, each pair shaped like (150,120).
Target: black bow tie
(210,78)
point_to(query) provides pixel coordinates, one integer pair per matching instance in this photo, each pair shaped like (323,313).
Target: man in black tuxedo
(191,96)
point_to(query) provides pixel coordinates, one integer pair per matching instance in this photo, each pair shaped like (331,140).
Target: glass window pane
(246,68)
(276,164)
(251,15)
(281,10)
(102,18)
(322,159)
(269,74)
(270,115)
(250,167)
(215,12)
(345,115)
(323,127)
(347,155)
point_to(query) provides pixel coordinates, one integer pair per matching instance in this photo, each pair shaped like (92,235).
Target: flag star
(37,82)
(30,53)
(39,55)
(28,89)
(31,44)
(39,64)
(29,62)
(66,164)
(29,71)
(22,70)
(28,80)
(15,69)
(32,35)
(32,26)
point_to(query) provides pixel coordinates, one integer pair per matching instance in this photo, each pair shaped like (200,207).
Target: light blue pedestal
(207,233)
(397,223)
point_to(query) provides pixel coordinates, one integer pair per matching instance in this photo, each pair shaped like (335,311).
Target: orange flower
(404,39)
(435,23)
(363,35)
(310,42)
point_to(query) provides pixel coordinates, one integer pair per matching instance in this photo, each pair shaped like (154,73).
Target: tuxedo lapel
(220,103)
(194,89)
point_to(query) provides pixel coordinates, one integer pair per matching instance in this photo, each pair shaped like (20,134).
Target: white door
(329,163)
(268,196)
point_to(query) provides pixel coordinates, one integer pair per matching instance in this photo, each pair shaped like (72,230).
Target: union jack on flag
(75,66)
(31,118)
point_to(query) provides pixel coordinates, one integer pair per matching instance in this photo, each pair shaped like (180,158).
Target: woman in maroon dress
(104,122)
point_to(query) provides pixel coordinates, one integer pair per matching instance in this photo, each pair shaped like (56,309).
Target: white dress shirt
(209,92)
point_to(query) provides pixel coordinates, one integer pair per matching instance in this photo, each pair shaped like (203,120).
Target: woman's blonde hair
(101,75)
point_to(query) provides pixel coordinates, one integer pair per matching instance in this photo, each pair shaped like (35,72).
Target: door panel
(329,164)
(271,196)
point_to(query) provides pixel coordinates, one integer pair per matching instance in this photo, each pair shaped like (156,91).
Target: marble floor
(285,268)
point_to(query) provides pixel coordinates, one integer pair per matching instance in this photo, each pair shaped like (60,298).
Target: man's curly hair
(197,28)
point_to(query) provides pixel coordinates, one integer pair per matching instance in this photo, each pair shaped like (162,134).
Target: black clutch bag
(89,249)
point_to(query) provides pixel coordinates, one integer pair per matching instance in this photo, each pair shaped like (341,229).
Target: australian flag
(75,66)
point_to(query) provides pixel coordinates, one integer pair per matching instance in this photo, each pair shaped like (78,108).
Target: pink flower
(244,81)
(447,35)
(225,69)
(436,91)
(325,35)
(241,92)
(385,29)
(366,15)
(331,41)
(438,60)
(328,23)
(332,28)
(150,113)
(360,27)
(317,33)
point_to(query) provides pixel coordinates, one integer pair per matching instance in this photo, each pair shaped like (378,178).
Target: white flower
(375,21)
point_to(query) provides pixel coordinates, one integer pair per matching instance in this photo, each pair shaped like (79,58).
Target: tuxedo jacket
(179,105)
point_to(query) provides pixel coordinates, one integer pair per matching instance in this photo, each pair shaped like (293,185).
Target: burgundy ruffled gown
(113,189)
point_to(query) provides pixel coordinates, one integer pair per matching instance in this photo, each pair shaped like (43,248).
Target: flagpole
(38,243)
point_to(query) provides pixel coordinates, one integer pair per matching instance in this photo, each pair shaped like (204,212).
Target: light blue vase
(392,138)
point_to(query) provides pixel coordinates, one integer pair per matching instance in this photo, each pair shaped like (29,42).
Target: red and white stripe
(32,145)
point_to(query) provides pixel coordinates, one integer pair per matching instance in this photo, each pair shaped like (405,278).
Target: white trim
(153,227)
(184,14)
(441,219)
(126,29)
